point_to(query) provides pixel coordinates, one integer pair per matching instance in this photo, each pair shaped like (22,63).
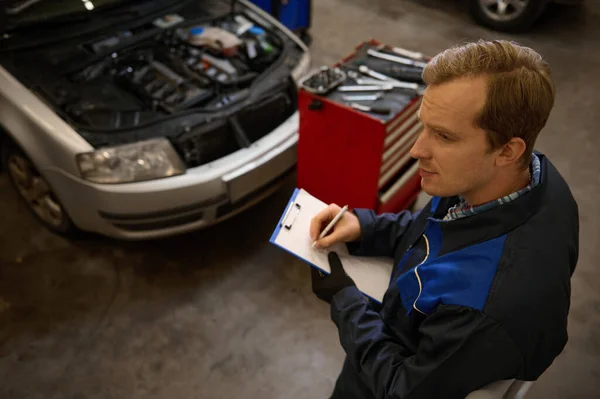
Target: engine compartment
(209,94)
(177,70)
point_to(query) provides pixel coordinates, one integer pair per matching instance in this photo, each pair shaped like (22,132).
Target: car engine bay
(211,85)
(172,73)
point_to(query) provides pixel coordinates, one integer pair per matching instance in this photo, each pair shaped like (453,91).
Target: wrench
(396,84)
(368,81)
(375,87)
(372,97)
(384,79)
(409,54)
(357,78)
(396,59)
(368,71)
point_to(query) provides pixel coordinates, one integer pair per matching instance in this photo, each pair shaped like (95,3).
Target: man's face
(453,153)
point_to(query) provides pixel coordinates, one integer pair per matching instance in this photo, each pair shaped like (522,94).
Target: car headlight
(144,160)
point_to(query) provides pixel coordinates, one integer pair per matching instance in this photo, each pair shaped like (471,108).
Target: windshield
(15,13)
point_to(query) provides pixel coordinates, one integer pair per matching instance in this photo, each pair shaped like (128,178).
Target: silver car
(511,15)
(143,119)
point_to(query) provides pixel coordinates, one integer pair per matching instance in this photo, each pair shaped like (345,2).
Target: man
(480,289)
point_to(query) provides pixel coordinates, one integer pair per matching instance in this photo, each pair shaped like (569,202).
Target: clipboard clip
(285,217)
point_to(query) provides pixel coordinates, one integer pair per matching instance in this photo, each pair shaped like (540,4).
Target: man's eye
(443,136)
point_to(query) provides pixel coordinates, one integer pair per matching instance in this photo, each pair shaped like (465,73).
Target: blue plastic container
(295,15)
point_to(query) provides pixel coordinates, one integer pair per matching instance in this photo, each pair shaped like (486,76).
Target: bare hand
(345,230)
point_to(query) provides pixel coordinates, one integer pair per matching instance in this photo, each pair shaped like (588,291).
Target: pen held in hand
(331,224)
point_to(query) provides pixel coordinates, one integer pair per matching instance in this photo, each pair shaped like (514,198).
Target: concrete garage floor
(223,314)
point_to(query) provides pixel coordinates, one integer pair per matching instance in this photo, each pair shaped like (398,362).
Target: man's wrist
(343,291)
(357,238)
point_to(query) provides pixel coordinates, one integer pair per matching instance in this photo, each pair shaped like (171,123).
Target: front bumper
(202,196)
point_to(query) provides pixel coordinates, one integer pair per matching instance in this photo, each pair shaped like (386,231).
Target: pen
(331,224)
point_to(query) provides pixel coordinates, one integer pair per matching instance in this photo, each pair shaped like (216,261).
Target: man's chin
(430,192)
(433,189)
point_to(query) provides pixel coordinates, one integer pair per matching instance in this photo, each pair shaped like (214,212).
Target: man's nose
(419,149)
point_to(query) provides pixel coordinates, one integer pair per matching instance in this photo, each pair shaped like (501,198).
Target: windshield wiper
(18,6)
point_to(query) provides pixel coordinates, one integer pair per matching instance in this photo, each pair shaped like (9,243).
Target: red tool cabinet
(351,157)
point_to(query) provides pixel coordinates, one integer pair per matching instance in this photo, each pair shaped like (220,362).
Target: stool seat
(506,389)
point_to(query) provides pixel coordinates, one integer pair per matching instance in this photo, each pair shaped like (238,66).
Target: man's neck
(499,188)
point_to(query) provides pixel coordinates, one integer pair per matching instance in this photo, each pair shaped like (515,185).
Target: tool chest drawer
(354,141)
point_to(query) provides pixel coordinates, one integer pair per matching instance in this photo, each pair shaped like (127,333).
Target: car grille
(215,140)
(207,143)
(258,120)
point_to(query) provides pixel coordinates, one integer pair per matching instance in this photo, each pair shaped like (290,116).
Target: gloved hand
(325,286)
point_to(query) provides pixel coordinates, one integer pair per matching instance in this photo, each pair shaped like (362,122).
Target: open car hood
(150,79)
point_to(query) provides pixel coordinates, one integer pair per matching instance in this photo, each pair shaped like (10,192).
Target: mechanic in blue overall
(480,289)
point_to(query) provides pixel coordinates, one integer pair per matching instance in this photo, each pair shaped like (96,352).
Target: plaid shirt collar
(462,209)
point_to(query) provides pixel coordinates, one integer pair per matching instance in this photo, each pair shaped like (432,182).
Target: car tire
(35,191)
(489,14)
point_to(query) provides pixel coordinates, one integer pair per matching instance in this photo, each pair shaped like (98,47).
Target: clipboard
(371,274)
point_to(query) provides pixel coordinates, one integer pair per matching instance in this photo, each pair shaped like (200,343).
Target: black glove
(325,286)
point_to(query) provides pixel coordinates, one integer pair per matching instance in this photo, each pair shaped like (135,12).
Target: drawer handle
(315,105)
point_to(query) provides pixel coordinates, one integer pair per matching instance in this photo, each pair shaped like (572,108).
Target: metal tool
(369,81)
(409,54)
(395,84)
(384,80)
(403,52)
(353,74)
(375,110)
(285,224)
(368,71)
(375,87)
(360,81)
(396,59)
(404,73)
(403,85)
(369,97)
(323,80)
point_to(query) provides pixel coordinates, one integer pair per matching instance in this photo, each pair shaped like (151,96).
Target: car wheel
(507,15)
(35,191)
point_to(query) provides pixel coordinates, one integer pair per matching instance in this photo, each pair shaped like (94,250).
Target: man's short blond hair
(520,89)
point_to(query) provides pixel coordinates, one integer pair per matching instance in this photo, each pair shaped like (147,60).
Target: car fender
(305,62)
(42,135)
(48,140)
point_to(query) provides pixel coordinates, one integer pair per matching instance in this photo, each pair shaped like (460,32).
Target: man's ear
(511,152)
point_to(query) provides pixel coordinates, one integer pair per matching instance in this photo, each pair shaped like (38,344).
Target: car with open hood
(141,119)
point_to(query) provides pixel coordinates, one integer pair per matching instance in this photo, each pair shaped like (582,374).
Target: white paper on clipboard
(371,274)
